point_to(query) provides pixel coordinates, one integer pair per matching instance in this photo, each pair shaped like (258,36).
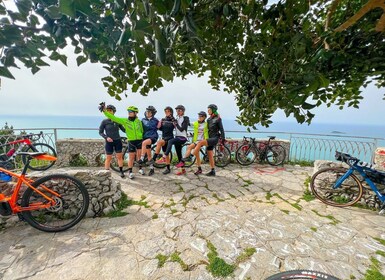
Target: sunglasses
(130,111)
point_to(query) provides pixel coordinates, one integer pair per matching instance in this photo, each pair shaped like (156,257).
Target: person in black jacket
(216,134)
(109,130)
(166,126)
(181,124)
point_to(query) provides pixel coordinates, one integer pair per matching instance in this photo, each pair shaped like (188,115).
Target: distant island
(338,132)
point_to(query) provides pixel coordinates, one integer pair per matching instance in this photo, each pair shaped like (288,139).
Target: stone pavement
(254,209)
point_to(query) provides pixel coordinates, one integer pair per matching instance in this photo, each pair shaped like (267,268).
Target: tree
(293,55)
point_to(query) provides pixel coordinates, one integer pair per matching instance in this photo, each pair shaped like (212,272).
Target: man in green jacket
(134,132)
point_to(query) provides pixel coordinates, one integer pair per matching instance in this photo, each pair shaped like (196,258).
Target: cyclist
(150,136)
(134,132)
(216,133)
(166,125)
(181,124)
(200,133)
(109,130)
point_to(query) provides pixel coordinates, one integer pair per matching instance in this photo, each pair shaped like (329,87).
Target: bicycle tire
(246,154)
(302,274)
(349,193)
(114,162)
(222,155)
(72,205)
(191,160)
(39,165)
(160,165)
(275,155)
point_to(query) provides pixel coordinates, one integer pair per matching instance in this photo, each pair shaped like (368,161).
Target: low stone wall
(103,190)
(369,198)
(89,149)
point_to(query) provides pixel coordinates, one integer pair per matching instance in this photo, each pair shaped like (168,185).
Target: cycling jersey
(201,131)
(182,123)
(134,128)
(215,127)
(167,128)
(110,129)
(150,128)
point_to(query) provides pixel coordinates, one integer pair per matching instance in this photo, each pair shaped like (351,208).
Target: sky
(73,90)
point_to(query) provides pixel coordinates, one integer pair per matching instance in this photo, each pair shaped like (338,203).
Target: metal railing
(303,146)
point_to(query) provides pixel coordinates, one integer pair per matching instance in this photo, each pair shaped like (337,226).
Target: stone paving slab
(242,207)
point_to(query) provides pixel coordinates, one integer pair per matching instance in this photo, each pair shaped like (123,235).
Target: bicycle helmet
(152,110)
(213,107)
(111,107)
(170,109)
(181,107)
(133,109)
(202,113)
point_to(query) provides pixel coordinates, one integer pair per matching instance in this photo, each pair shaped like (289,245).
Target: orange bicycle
(52,203)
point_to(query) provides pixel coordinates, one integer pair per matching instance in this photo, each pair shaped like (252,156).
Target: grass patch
(169,205)
(382,241)
(121,204)
(186,200)
(302,162)
(246,254)
(307,195)
(314,229)
(217,266)
(176,258)
(330,217)
(295,205)
(381,253)
(173,210)
(216,196)
(155,216)
(161,260)
(285,211)
(373,273)
(231,195)
(78,160)
(268,196)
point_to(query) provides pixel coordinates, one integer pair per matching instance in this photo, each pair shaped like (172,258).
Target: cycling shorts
(211,143)
(116,146)
(134,145)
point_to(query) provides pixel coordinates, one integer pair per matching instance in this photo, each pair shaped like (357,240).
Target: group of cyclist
(141,134)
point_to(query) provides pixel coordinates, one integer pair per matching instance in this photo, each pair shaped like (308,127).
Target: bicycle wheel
(71,203)
(348,193)
(302,274)
(114,162)
(246,154)
(39,165)
(191,158)
(222,155)
(275,155)
(160,165)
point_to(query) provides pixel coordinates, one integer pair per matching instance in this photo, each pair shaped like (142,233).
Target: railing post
(55,135)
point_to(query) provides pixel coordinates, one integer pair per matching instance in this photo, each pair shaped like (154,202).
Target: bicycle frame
(22,179)
(360,169)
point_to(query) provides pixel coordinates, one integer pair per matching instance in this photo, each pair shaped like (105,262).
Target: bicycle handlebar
(33,136)
(348,159)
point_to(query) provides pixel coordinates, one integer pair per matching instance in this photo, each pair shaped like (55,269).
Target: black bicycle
(251,150)
(222,155)
(302,275)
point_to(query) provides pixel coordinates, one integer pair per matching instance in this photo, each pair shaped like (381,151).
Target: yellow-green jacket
(205,131)
(134,129)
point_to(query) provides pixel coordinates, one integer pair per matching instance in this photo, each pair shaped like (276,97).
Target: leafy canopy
(293,55)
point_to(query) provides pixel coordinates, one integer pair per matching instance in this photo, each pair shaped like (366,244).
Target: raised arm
(121,121)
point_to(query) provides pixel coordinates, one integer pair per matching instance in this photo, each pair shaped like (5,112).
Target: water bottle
(5,177)
(11,152)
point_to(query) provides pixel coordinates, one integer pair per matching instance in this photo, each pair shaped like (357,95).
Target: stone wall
(90,149)
(369,198)
(103,190)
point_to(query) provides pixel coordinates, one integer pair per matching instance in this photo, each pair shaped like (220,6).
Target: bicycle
(52,203)
(338,186)
(302,274)
(222,155)
(27,144)
(251,150)
(114,163)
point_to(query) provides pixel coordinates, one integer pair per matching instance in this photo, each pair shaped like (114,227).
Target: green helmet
(133,109)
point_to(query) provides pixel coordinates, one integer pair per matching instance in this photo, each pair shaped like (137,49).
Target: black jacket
(215,127)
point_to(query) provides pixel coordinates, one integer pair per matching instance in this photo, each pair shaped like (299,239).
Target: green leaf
(143,25)
(153,74)
(6,73)
(67,7)
(81,59)
(308,106)
(53,12)
(24,6)
(83,6)
(166,73)
(124,37)
(135,87)
(140,56)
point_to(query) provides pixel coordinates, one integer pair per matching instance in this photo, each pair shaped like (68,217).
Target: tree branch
(372,4)
(331,11)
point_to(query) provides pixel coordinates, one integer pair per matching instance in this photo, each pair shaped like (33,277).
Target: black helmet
(213,107)
(170,109)
(111,107)
(202,113)
(152,110)
(181,107)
